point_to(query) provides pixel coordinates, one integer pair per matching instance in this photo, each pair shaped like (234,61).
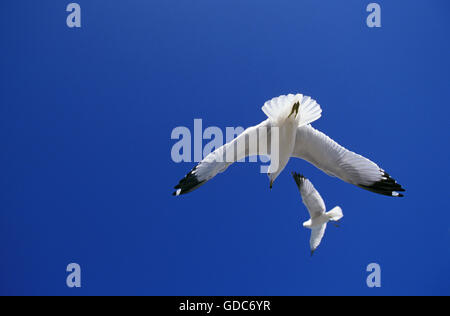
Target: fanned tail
(335,214)
(304,108)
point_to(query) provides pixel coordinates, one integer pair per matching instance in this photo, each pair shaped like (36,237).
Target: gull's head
(307,224)
(273,177)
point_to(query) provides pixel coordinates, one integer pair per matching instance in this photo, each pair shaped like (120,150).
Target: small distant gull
(316,208)
(292,115)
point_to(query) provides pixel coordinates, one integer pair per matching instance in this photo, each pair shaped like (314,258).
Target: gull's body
(287,134)
(290,116)
(317,211)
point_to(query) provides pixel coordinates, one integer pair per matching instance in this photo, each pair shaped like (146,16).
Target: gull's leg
(295,108)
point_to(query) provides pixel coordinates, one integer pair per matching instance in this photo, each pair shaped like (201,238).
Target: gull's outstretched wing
(327,155)
(317,234)
(253,141)
(310,196)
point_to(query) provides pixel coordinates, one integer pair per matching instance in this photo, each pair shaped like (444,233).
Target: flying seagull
(316,208)
(290,116)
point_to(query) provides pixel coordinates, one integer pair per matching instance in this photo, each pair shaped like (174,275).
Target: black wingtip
(386,186)
(297,175)
(189,183)
(299,178)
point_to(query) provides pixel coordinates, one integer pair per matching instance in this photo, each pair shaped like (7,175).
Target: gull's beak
(271,184)
(312,252)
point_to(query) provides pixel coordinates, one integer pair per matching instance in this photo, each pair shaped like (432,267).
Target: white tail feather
(335,214)
(280,108)
(309,111)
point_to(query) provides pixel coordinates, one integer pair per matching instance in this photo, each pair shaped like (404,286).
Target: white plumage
(290,116)
(316,208)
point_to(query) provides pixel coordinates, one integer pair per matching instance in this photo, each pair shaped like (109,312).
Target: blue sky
(85,122)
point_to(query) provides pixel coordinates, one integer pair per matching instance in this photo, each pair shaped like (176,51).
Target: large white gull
(288,127)
(316,208)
